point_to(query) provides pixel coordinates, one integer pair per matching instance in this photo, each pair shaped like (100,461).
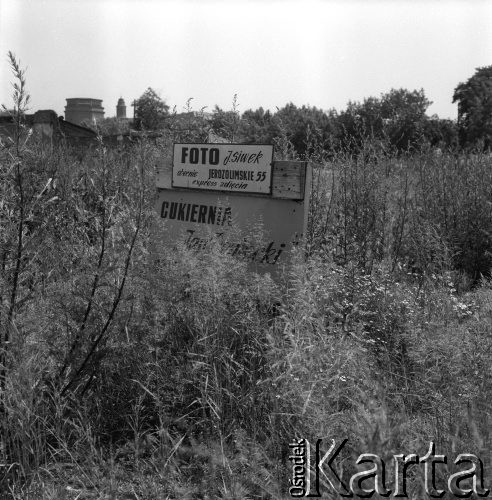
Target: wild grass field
(124,376)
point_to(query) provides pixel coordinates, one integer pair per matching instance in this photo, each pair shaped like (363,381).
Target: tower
(121,108)
(79,109)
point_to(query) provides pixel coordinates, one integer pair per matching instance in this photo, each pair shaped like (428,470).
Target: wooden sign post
(228,190)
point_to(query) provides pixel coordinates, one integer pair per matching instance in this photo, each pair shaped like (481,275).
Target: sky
(269,53)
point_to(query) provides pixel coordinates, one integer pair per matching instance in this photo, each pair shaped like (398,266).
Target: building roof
(49,125)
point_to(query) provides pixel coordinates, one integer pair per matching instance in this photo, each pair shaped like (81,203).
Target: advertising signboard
(259,225)
(196,220)
(243,168)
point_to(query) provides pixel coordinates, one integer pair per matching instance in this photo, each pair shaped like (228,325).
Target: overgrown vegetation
(123,376)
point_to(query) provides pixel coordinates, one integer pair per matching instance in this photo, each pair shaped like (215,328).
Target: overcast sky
(269,52)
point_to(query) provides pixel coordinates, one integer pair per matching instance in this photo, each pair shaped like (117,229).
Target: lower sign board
(259,229)
(197,219)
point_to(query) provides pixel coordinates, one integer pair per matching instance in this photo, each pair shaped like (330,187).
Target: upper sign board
(243,168)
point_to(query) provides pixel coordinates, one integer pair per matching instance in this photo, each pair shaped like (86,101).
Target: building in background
(46,125)
(78,128)
(84,109)
(121,109)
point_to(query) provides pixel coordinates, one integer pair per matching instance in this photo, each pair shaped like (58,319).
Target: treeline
(397,119)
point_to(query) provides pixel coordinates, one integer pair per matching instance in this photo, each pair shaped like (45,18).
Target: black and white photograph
(245,249)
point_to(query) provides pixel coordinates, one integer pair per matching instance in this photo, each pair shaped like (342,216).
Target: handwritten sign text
(242,168)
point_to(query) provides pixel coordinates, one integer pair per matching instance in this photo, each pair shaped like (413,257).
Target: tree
(360,121)
(405,118)
(397,116)
(441,133)
(257,126)
(225,123)
(474,98)
(150,110)
(309,129)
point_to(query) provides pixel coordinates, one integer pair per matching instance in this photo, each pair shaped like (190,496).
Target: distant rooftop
(83,99)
